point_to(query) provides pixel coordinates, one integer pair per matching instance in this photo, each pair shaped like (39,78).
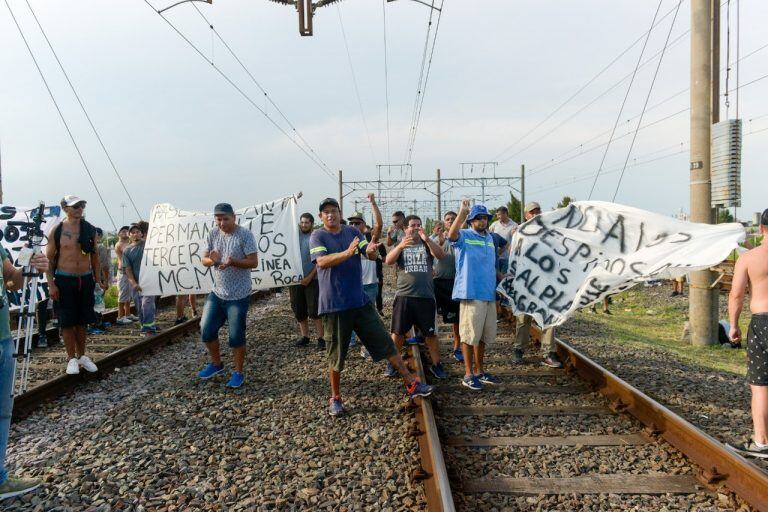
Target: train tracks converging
(576,431)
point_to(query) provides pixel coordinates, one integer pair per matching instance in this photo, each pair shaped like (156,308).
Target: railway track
(529,435)
(118,347)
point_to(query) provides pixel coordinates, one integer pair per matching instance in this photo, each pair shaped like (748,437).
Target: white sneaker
(123,320)
(86,363)
(132,318)
(73,367)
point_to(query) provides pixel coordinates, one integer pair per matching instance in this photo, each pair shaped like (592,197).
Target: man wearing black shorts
(305,294)
(72,278)
(336,250)
(414,304)
(752,268)
(445,273)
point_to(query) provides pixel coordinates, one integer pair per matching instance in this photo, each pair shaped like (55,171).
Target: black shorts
(446,306)
(757,350)
(304,300)
(416,312)
(366,322)
(75,300)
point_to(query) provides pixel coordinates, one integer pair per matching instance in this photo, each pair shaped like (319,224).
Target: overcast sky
(179,133)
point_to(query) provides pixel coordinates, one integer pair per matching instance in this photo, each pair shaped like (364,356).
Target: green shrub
(110,298)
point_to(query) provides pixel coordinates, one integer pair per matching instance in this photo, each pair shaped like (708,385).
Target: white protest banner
(171,264)
(15,225)
(569,258)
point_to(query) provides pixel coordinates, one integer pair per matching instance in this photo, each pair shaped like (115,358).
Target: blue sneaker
(458,355)
(336,407)
(390,371)
(472,383)
(236,380)
(95,330)
(438,371)
(416,340)
(487,378)
(419,389)
(210,370)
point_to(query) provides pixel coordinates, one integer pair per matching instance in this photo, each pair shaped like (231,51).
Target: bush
(110,297)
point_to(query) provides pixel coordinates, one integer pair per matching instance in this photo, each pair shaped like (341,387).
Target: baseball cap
(478,210)
(356,216)
(533,205)
(329,201)
(72,200)
(223,209)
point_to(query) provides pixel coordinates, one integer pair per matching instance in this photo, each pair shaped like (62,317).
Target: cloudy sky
(178,132)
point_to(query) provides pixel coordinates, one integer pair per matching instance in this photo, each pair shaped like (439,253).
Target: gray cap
(223,209)
(533,205)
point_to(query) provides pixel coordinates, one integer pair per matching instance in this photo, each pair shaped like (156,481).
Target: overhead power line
(245,95)
(85,112)
(386,78)
(61,115)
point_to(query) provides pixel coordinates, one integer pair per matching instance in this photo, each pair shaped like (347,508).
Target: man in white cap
(72,278)
(522,337)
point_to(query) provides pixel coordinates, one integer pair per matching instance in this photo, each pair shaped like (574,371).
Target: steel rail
(433,472)
(720,466)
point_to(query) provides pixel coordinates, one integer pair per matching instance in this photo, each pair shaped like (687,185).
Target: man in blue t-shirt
(343,305)
(475,288)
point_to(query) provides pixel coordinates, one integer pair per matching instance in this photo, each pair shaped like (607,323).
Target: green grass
(110,297)
(650,318)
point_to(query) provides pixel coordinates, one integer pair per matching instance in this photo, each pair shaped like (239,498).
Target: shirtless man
(752,268)
(123,286)
(72,278)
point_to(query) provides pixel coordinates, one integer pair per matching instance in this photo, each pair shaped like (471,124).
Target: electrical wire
(386,78)
(421,79)
(647,98)
(626,96)
(354,82)
(85,112)
(309,155)
(256,82)
(61,115)
(580,90)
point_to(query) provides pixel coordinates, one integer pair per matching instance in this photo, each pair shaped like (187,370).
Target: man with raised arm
(72,278)
(445,275)
(231,251)
(11,279)
(475,287)
(752,269)
(336,250)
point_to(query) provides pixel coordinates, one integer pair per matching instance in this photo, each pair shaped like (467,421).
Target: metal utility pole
(438,194)
(705,46)
(522,193)
(341,193)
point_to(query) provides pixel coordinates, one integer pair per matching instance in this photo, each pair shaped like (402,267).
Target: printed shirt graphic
(341,287)
(415,276)
(306,260)
(232,283)
(475,266)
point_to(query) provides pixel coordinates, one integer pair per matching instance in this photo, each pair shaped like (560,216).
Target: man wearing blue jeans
(231,251)
(10,486)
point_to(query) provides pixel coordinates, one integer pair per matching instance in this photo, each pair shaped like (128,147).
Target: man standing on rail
(132,257)
(414,304)
(72,280)
(344,306)
(522,337)
(475,287)
(231,251)
(11,279)
(124,294)
(445,274)
(304,295)
(752,268)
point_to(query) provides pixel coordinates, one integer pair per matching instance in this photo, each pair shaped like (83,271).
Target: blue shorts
(218,311)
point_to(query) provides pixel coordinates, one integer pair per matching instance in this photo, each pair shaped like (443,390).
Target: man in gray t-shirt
(445,273)
(305,295)
(414,304)
(231,254)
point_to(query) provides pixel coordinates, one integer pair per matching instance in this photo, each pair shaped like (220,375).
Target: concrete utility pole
(438,194)
(705,36)
(522,193)
(341,193)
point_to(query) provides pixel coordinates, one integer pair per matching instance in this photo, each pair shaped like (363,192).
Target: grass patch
(648,317)
(110,297)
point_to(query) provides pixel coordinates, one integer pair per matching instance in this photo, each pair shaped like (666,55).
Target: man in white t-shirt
(504,227)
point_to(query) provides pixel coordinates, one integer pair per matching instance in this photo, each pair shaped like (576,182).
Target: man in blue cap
(475,288)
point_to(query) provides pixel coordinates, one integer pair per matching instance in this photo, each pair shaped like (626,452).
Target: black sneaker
(517,358)
(302,341)
(552,361)
(320,344)
(42,342)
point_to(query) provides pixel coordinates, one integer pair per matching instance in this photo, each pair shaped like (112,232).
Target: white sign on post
(568,258)
(15,226)
(171,264)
